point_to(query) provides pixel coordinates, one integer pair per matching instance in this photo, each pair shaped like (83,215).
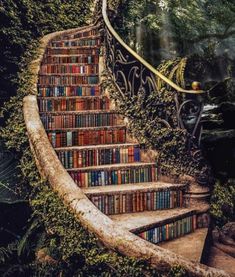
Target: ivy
(223,203)
(152,119)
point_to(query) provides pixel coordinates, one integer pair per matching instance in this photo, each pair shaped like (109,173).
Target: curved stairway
(92,142)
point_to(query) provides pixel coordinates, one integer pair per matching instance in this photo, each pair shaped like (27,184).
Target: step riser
(68,91)
(80,35)
(170,231)
(78,104)
(68,80)
(82,138)
(71,51)
(83,42)
(96,157)
(60,69)
(114,177)
(83,59)
(79,120)
(137,202)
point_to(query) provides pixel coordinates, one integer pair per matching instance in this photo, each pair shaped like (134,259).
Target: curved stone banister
(139,58)
(110,233)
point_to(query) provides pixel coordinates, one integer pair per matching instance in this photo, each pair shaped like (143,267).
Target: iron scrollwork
(129,74)
(135,79)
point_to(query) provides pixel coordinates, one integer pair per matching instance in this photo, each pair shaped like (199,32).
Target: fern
(174,70)
(23,245)
(7,252)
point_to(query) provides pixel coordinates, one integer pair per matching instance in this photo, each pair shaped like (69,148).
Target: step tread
(69,55)
(74,39)
(80,112)
(67,85)
(137,222)
(189,246)
(111,166)
(71,97)
(74,47)
(68,74)
(89,128)
(151,186)
(98,146)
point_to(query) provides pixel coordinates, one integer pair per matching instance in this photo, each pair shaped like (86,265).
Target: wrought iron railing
(135,76)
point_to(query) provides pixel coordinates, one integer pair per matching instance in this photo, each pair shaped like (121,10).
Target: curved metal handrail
(139,58)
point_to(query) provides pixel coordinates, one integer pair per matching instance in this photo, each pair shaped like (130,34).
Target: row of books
(73,104)
(80,42)
(68,91)
(86,179)
(99,156)
(93,32)
(80,69)
(171,230)
(67,80)
(90,59)
(72,51)
(57,121)
(137,201)
(89,137)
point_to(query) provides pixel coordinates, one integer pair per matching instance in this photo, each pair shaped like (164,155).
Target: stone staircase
(92,142)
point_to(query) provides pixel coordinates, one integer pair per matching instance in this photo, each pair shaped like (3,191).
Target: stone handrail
(108,232)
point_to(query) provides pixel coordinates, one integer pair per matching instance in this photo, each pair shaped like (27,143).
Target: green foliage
(174,70)
(167,29)
(177,271)
(68,242)
(223,203)
(153,120)
(23,22)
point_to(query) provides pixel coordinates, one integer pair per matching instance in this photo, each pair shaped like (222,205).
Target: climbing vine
(153,120)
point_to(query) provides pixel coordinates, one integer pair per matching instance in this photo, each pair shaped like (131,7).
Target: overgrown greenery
(22,23)
(223,202)
(166,29)
(153,119)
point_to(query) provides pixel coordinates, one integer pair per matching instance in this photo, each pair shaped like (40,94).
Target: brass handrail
(139,58)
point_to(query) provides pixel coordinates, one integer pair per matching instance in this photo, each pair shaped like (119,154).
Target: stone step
(77,31)
(99,146)
(99,128)
(92,32)
(69,69)
(77,43)
(130,188)
(66,74)
(82,112)
(87,136)
(52,92)
(80,119)
(113,166)
(142,221)
(71,97)
(99,156)
(70,55)
(81,59)
(73,51)
(73,47)
(73,104)
(62,80)
(93,37)
(190,246)
(133,198)
(114,174)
